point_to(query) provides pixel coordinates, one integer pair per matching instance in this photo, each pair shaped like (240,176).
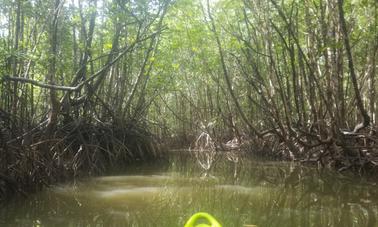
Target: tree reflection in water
(252,192)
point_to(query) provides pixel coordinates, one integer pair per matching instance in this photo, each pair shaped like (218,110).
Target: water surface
(237,194)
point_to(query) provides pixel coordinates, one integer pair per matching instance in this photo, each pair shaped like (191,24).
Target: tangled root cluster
(30,160)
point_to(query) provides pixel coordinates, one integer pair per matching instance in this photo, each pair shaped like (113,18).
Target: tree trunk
(360,105)
(54,102)
(226,75)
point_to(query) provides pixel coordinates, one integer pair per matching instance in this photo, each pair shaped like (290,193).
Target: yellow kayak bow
(202,215)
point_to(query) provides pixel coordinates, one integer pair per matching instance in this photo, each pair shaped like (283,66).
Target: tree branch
(89,79)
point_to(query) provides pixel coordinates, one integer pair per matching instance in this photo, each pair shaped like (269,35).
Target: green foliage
(278,54)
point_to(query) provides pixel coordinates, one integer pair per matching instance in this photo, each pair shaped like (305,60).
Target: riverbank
(79,148)
(31,161)
(339,150)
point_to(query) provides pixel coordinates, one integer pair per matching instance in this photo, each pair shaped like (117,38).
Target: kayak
(202,216)
(210,219)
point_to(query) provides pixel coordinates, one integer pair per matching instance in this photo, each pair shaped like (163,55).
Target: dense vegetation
(89,83)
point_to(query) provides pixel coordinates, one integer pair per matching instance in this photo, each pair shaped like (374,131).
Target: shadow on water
(249,192)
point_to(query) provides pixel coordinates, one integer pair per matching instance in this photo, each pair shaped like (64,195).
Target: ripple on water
(129,192)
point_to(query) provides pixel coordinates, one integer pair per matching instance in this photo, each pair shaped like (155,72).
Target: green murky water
(242,194)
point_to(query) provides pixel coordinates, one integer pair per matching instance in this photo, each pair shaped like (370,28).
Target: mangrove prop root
(30,161)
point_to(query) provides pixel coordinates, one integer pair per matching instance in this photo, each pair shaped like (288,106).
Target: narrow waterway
(238,194)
